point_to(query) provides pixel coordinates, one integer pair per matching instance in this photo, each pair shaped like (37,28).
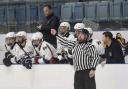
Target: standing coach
(113,50)
(85,59)
(49,22)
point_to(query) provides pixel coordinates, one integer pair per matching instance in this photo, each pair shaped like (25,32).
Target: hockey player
(63,52)
(24,50)
(45,52)
(96,43)
(10,41)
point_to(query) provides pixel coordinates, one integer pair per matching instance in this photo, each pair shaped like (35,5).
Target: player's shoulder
(96,42)
(71,35)
(29,43)
(16,46)
(45,44)
(71,38)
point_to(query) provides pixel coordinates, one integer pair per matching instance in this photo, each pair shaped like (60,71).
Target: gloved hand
(7,62)
(26,62)
(8,55)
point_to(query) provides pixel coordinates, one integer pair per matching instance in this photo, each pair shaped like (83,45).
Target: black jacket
(51,22)
(114,53)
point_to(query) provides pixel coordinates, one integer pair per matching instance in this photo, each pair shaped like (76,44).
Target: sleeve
(53,50)
(48,54)
(55,23)
(45,28)
(117,52)
(72,38)
(94,57)
(59,47)
(48,51)
(31,51)
(65,42)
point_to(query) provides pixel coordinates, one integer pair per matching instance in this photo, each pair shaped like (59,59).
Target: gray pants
(83,81)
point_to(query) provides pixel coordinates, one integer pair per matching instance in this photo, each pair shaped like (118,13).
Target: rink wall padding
(60,77)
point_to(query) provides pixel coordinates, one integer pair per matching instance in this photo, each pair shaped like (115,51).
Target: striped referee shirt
(84,55)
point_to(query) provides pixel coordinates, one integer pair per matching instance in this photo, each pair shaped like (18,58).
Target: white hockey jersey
(46,50)
(28,49)
(98,46)
(61,47)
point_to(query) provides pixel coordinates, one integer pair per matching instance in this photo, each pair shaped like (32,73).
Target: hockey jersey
(27,50)
(69,37)
(46,51)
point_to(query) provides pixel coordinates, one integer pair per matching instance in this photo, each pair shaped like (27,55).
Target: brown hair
(48,5)
(108,34)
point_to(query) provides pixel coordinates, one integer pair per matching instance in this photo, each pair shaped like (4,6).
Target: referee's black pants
(83,81)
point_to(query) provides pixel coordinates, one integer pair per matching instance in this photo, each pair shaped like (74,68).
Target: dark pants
(83,81)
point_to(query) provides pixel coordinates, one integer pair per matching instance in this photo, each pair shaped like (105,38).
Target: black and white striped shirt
(85,55)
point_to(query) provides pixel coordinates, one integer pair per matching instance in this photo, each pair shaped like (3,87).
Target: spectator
(49,22)
(121,40)
(113,51)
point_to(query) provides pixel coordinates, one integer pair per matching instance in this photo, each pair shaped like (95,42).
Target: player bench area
(60,77)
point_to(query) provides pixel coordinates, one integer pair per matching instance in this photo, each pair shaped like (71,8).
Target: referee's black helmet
(85,31)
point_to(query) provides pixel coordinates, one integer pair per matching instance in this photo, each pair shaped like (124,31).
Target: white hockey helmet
(22,34)
(37,36)
(10,38)
(90,31)
(79,26)
(65,24)
(10,35)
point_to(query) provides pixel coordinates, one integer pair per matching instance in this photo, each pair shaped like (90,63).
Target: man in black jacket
(49,22)
(113,50)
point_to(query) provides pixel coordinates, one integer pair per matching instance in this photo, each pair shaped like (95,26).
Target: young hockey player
(24,50)
(96,43)
(64,54)
(45,52)
(10,41)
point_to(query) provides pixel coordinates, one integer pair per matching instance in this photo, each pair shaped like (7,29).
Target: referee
(85,59)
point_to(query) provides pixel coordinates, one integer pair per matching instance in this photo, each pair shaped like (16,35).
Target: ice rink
(60,77)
